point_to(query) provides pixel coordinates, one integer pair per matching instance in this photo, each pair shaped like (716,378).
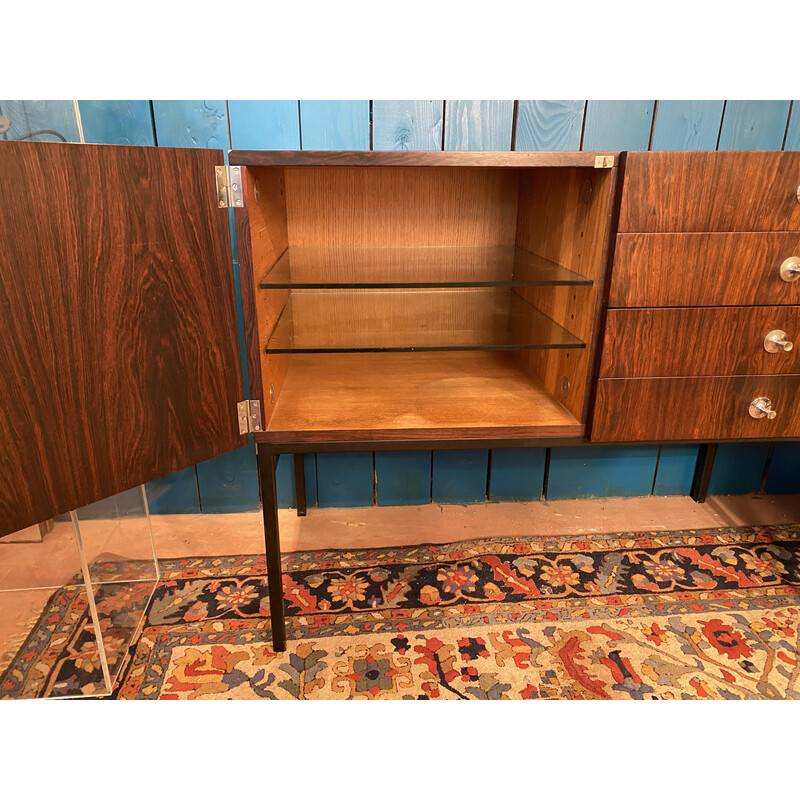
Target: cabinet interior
(426,302)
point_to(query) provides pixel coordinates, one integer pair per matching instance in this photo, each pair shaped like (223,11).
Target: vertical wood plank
(264,124)
(687,124)
(284,481)
(754,125)
(549,124)
(345,479)
(403,478)
(459,476)
(784,470)
(334,124)
(738,468)
(407,124)
(793,132)
(191,123)
(676,464)
(27,116)
(478,124)
(747,125)
(517,474)
(601,472)
(618,124)
(117,122)
(229,482)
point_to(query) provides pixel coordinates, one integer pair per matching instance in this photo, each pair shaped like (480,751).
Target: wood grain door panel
(664,342)
(667,192)
(703,269)
(118,335)
(678,409)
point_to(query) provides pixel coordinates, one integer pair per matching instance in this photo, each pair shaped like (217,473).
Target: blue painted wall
(229,483)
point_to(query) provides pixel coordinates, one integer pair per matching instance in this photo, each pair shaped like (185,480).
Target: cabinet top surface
(416,158)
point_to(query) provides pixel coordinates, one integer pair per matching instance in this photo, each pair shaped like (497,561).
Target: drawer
(710,191)
(703,269)
(676,409)
(664,342)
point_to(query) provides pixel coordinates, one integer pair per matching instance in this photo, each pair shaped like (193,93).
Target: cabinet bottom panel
(397,396)
(680,409)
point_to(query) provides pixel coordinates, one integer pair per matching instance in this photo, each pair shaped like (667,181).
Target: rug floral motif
(684,614)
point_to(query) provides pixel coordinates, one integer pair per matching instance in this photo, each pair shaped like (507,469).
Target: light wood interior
(563,216)
(266,205)
(386,207)
(412,396)
(558,213)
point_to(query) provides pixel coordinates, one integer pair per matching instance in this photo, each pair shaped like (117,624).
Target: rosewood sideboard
(391,301)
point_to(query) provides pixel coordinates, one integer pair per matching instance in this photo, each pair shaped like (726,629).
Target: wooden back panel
(389,207)
(119,356)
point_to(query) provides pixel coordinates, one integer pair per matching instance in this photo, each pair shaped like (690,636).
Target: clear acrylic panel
(121,573)
(73,593)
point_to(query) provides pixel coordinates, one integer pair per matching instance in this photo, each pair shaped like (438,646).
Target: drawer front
(703,269)
(665,342)
(675,409)
(710,191)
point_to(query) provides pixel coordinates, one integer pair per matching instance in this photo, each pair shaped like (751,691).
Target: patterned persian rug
(683,614)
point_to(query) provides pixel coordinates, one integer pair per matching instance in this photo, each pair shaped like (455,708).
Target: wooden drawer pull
(790,269)
(762,407)
(776,342)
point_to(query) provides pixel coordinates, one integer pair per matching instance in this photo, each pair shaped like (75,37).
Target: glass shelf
(414,267)
(371,321)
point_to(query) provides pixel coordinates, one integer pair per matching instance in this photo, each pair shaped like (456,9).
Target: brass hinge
(229,187)
(249,416)
(603,162)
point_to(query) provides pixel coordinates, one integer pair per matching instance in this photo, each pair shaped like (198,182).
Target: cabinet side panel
(266,221)
(564,216)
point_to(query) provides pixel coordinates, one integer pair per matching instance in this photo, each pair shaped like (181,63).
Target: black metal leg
(300,484)
(702,472)
(269,503)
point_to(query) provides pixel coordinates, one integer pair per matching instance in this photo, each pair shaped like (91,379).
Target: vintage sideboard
(391,300)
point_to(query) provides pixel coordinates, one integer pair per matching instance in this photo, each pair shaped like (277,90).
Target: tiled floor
(26,566)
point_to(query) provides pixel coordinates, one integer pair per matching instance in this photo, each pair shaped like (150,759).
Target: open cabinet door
(119,355)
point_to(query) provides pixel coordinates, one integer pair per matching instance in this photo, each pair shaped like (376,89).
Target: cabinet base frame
(268,461)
